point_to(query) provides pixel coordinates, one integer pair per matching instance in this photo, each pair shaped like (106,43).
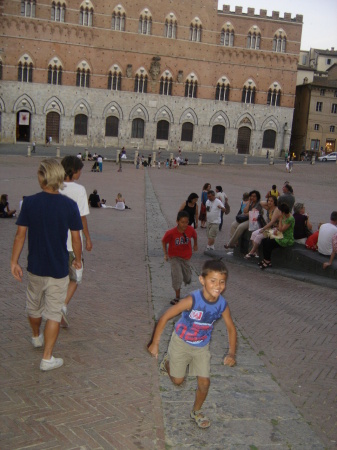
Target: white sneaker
(38,341)
(64,321)
(50,364)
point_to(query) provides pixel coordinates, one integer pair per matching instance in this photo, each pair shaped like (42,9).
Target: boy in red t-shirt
(177,246)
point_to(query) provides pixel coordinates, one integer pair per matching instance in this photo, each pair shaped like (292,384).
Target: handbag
(228,208)
(240,217)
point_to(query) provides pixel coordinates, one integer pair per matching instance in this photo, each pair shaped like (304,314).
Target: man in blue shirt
(47,216)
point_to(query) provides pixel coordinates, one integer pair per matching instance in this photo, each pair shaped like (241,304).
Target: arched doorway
(243,140)
(23,126)
(53,126)
(163,130)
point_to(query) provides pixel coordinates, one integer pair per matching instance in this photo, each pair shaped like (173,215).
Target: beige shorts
(45,296)
(181,355)
(212,230)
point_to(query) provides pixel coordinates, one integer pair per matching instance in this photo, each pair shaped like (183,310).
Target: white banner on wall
(24,118)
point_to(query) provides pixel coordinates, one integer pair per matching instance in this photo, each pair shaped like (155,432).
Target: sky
(319,18)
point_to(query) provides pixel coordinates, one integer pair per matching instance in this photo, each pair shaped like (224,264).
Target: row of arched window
(222,90)
(118,23)
(163,129)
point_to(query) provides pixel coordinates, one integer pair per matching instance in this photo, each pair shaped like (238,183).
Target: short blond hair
(51,174)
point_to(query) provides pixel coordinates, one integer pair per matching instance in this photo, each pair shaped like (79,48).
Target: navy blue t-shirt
(48,218)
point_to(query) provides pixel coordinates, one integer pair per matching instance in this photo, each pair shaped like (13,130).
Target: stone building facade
(148,73)
(315,118)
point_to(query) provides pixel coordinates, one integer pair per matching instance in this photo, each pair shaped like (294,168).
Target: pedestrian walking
(214,206)
(73,168)
(34,147)
(189,345)
(47,216)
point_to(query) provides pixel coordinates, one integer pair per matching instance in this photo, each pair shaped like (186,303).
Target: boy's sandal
(200,419)
(162,365)
(174,301)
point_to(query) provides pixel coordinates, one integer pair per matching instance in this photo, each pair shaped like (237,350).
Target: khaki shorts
(74,274)
(45,296)
(212,230)
(180,272)
(182,355)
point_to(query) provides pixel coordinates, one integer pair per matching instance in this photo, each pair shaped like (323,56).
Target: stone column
(29,151)
(58,154)
(136,156)
(200,160)
(117,156)
(153,162)
(245,160)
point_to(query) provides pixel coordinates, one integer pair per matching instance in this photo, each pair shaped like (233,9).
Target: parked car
(330,157)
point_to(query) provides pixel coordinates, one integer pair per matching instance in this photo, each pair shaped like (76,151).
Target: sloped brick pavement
(107,395)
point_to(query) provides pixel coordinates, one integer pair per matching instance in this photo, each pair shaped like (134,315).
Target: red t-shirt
(179,244)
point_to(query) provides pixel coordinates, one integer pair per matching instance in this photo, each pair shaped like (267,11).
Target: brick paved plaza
(109,394)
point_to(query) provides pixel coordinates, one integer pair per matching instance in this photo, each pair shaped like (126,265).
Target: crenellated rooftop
(263,14)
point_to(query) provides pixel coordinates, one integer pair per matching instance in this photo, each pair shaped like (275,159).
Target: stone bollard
(245,160)
(313,159)
(117,156)
(29,151)
(58,153)
(271,162)
(171,156)
(153,162)
(223,160)
(200,160)
(136,156)
(86,154)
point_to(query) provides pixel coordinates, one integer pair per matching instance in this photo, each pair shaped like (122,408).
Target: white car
(330,157)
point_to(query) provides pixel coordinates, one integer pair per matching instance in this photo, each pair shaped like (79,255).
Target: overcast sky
(319,18)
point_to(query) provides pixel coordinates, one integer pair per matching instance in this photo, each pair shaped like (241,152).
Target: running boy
(177,248)
(189,345)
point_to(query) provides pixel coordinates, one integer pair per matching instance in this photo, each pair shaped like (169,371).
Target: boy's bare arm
(230,358)
(183,305)
(19,241)
(77,248)
(88,243)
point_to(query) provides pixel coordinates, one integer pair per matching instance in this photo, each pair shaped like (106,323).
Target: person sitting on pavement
(120,203)
(334,251)
(238,228)
(325,235)
(270,205)
(286,227)
(94,200)
(303,227)
(5,211)
(191,206)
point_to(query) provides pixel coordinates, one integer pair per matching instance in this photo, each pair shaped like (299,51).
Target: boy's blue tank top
(195,326)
